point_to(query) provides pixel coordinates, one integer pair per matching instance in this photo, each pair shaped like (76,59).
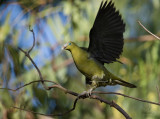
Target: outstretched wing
(106,35)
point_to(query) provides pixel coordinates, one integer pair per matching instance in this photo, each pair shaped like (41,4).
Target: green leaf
(6,98)
(40,94)
(5,29)
(14,53)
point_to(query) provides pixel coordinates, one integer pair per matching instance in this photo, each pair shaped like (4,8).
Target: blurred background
(56,22)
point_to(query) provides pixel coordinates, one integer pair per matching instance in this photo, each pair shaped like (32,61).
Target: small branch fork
(27,54)
(93,96)
(56,85)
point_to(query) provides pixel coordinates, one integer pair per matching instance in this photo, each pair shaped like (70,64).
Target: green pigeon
(106,46)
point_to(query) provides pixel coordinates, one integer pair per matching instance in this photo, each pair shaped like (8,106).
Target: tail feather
(124,83)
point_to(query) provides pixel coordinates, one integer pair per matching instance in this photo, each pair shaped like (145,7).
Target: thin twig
(101,92)
(148,30)
(34,40)
(112,104)
(29,57)
(60,114)
(138,99)
(27,85)
(76,94)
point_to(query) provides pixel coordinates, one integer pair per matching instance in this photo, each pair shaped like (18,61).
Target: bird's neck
(78,54)
(76,51)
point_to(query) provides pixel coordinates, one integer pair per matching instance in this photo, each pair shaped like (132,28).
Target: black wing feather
(106,35)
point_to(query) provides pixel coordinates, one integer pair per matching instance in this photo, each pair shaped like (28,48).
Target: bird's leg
(88,93)
(83,93)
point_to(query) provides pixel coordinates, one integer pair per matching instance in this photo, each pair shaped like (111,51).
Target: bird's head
(68,46)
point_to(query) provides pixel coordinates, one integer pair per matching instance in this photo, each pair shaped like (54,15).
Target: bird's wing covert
(106,35)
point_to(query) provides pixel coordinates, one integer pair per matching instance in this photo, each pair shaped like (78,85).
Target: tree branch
(84,96)
(111,103)
(27,85)
(27,54)
(31,30)
(148,30)
(76,94)
(115,93)
(60,114)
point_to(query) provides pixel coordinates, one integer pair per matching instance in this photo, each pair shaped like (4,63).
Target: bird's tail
(124,83)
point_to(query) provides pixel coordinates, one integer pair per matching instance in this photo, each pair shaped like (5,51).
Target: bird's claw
(89,93)
(86,93)
(82,94)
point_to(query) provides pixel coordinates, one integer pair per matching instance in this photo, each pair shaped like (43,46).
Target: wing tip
(107,7)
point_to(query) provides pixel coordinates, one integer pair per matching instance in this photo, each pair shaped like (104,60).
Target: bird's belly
(89,68)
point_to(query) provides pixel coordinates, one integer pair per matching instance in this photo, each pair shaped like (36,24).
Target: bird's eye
(69,43)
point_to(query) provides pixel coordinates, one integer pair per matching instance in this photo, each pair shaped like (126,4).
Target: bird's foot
(86,93)
(82,94)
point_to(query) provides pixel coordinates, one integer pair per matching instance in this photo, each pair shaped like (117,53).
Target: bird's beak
(64,46)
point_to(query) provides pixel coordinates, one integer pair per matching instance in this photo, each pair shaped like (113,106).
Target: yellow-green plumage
(106,45)
(92,69)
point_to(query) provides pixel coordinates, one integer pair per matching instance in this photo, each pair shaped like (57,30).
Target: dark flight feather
(106,35)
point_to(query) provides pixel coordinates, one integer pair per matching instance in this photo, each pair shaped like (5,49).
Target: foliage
(55,23)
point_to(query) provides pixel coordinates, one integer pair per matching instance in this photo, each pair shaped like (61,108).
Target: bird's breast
(86,65)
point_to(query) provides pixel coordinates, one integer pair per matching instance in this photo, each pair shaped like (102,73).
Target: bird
(105,46)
